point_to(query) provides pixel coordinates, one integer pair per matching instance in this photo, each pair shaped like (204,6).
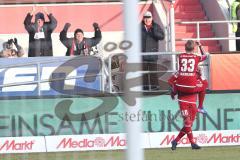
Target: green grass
(206,153)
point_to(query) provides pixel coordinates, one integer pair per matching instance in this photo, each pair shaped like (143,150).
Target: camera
(9,44)
(10,41)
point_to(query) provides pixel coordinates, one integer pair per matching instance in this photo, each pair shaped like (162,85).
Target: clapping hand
(45,10)
(33,10)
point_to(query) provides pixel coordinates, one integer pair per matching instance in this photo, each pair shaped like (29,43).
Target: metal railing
(39,80)
(112,73)
(106,73)
(170,28)
(164,6)
(198,23)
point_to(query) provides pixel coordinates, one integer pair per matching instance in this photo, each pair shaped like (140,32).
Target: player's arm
(172,79)
(203,52)
(171,82)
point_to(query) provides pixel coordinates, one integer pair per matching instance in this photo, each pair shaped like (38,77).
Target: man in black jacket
(79,45)
(151,34)
(40,41)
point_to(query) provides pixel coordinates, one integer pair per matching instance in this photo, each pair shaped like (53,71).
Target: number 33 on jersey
(188,63)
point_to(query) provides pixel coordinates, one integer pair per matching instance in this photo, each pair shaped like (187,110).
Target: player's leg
(202,93)
(182,132)
(177,139)
(188,114)
(189,122)
(201,89)
(187,129)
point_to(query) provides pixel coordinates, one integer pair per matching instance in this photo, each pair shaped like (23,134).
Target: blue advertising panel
(49,76)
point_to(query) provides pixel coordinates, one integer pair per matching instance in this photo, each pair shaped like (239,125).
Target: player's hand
(198,43)
(173,93)
(172,96)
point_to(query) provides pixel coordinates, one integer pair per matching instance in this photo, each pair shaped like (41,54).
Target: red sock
(201,96)
(181,134)
(189,134)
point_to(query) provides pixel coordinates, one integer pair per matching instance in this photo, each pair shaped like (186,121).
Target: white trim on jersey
(186,101)
(185,86)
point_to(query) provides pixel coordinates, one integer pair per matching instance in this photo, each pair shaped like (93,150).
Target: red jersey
(187,71)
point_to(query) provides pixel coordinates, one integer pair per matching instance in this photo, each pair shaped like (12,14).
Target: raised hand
(33,10)
(198,43)
(45,10)
(66,26)
(95,25)
(15,41)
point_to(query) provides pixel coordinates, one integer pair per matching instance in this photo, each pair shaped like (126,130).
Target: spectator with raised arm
(80,45)
(40,41)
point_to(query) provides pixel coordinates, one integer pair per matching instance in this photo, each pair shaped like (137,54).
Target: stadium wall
(224,72)
(34,125)
(71,116)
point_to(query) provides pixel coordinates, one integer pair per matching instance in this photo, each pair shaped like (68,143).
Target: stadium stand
(192,10)
(111,24)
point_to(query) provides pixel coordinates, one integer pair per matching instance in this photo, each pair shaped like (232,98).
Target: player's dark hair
(189,46)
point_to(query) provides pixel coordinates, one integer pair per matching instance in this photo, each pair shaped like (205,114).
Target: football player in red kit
(187,83)
(188,78)
(188,108)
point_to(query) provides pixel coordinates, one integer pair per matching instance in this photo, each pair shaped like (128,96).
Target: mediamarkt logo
(203,138)
(13,145)
(113,141)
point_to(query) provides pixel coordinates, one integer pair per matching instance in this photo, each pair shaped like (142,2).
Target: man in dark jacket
(151,34)
(80,45)
(40,41)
